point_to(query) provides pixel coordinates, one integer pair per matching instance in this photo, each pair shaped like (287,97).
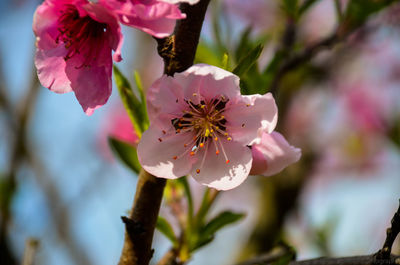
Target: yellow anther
(229,139)
(207,133)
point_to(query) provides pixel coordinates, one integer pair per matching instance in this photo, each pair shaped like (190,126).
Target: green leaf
(126,153)
(394,133)
(139,86)
(358,11)
(131,103)
(206,54)
(189,197)
(221,220)
(249,60)
(290,7)
(207,232)
(245,45)
(306,5)
(225,62)
(164,227)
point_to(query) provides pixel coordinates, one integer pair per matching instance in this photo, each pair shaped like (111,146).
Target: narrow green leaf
(358,11)
(164,227)
(139,85)
(290,7)
(225,62)
(131,103)
(221,220)
(126,153)
(245,45)
(246,62)
(305,6)
(207,233)
(189,197)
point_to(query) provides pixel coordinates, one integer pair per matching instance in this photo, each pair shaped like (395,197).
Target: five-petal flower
(200,125)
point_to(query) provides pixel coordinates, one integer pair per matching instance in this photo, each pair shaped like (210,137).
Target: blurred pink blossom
(272,154)
(202,126)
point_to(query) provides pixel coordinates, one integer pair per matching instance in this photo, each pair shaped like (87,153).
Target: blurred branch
(31,247)
(302,57)
(178,52)
(382,257)
(356,260)
(391,234)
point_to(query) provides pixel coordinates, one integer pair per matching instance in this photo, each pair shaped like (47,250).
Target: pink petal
(165,96)
(92,85)
(157,157)
(215,81)
(218,174)
(153,17)
(191,2)
(273,154)
(51,66)
(249,116)
(103,14)
(45,26)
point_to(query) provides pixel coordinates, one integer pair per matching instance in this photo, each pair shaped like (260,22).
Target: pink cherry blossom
(74,43)
(200,125)
(272,154)
(154,17)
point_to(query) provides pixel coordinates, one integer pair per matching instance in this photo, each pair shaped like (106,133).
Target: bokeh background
(60,184)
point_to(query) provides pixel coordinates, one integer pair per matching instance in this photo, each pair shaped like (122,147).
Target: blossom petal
(273,154)
(103,14)
(191,2)
(215,81)
(164,96)
(92,85)
(156,18)
(157,157)
(50,65)
(216,173)
(250,116)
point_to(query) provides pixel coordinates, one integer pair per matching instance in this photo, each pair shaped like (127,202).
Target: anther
(229,139)
(217,152)
(201,145)
(216,138)
(247,105)
(192,153)
(164,132)
(227,161)
(175,157)
(159,139)
(242,125)
(197,171)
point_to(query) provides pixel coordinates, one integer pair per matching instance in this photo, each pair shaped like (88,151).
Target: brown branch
(391,234)
(178,52)
(355,260)
(31,246)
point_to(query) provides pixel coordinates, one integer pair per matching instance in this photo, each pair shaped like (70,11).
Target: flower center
(206,122)
(80,35)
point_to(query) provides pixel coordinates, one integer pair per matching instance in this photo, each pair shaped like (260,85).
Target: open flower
(74,43)
(200,125)
(272,154)
(154,17)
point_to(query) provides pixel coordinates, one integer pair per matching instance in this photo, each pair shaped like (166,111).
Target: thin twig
(391,234)
(178,52)
(31,247)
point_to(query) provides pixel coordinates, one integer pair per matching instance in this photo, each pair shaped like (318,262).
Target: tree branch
(383,257)
(178,52)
